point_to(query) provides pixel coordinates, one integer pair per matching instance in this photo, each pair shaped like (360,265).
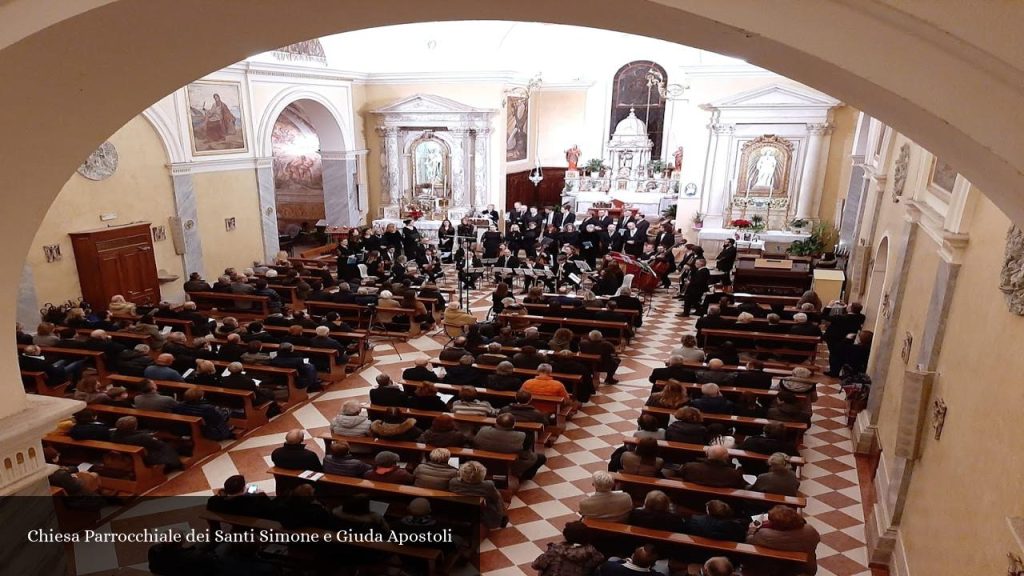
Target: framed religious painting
(517,110)
(216,123)
(941,177)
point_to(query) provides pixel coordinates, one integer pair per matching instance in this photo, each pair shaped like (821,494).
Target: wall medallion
(101,164)
(900,172)
(908,345)
(1011,278)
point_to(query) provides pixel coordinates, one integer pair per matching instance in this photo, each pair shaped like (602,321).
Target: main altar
(627,174)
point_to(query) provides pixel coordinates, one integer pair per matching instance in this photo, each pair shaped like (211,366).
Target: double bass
(645,277)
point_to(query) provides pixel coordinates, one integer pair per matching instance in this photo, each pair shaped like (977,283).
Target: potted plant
(798,224)
(670,212)
(821,242)
(656,167)
(698,220)
(595,167)
(757,223)
(743,225)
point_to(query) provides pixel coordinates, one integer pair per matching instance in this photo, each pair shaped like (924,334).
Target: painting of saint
(215,109)
(518,113)
(943,176)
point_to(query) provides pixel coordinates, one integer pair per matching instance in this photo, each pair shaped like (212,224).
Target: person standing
(726,260)
(700,279)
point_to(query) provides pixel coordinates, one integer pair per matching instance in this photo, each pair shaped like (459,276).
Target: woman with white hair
(779,479)
(470,481)
(436,473)
(606,503)
(118,305)
(352,422)
(386,300)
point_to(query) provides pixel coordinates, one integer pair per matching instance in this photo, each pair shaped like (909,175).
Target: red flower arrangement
(741,223)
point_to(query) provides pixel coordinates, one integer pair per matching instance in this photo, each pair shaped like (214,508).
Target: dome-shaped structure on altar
(630,126)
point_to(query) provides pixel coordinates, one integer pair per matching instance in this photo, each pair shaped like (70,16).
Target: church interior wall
(837,164)
(220,196)
(139,191)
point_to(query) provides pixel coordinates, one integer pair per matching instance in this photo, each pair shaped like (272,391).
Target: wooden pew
(750,426)
(497,463)
(225,303)
(362,338)
(776,369)
(289,375)
(335,371)
(732,391)
(365,316)
(684,452)
(97,358)
(625,537)
(135,479)
(35,382)
(130,339)
(541,309)
(592,359)
(176,324)
(429,558)
(425,417)
(172,428)
(768,299)
(694,496)
(577,325)
(762,337)
(571,381)
(238,401)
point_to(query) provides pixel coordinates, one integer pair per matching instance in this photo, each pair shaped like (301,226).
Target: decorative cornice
(293,71)
(19,435)
(723,129)
(496,76)
(221,165)
(951,245)
(820,128)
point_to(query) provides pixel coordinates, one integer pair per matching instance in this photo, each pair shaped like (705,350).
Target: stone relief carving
(900,172)
(908,345)
(101,164)
(1011,278)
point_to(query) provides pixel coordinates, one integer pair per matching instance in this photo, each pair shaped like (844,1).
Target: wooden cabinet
(117,260)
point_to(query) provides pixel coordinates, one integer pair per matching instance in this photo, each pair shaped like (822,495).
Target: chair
(627,282)
(362,272)
(452,331)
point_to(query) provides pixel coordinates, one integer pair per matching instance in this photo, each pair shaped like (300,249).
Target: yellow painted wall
(838,166)
(221,195)
(139,191)
(559,121)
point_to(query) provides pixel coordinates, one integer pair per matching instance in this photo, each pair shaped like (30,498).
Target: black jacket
(296,457)
(388,396)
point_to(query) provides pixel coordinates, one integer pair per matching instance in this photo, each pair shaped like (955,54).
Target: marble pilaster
(391,191)
(720,189)
(28,303)
(811,177)
(188,212)
(268,206)
(481,158)
(339,202)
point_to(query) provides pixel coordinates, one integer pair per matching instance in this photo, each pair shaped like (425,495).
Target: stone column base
(865,435)
(30,508)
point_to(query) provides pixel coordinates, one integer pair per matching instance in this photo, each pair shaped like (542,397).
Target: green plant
(656,166)
(757,222)
(670,211)
(594,165)
(823,237)
(697,218)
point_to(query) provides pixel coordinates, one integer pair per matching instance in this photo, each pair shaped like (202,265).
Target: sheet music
(574,277)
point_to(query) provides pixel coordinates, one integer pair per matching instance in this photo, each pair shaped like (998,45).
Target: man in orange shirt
(545,385)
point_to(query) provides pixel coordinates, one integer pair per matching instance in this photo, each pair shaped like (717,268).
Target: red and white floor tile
(544,505)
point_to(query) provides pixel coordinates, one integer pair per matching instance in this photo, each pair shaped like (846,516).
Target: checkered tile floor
(544,505)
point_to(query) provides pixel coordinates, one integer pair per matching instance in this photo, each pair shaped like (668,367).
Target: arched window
(631,90)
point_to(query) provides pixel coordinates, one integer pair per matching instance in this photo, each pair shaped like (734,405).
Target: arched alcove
(875,303)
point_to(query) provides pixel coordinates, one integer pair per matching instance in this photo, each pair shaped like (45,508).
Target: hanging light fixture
(536,175)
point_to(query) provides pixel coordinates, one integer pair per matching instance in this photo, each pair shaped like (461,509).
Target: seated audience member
(216,425)
(421,372)
(779,479)
(134,361)
(87,427)
(712,320)
(355,513)
(774,439)
(727,353)
(544,384)
(656,513)
(90,390)
(606,503)
(206,374)
(149,399)
(574,556)
(716,374)
(386,469)
(339,460)
(228,325)
(45,335)
(746,405)
(443,433)
(644,460)
(467,403)
(788,408)
(255,331)
(100,340)
(649,427)
(294,455)
(424,397)
(531,337)
(802,327)
(673,395)
(711,400)
(455,351)
(688,349)
(234,499)
(387,393)
(504,438)
(596,343)
(79,486)
(301,509)
(200,324)
(715,470)
(232,350)
(688,427)
(528,358)
(465,374)
(32,360)
(119,396)
(470,481)
(456,317)
(640,562)
(523,411)
(800,382)
(675,369)
(753,377)
(718,436)
(719,522)
(161,369)
(493,356)
(352,422)
(787,530)
(288,357)
(504,378)
(562,339)
(436,473)
(566,362)
(158,452)
(395,426)
(718,566)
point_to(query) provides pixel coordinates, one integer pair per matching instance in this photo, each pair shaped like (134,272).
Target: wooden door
(117,260)
(127,271)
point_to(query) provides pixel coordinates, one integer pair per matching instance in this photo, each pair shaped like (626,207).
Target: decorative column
(482,145)
(28,302)
(812,177)
(339,167)
(268,207)
(185,204)
(461,162)
(720,172)
(391,186)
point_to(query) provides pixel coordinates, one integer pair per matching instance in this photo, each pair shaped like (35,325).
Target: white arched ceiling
(945,73)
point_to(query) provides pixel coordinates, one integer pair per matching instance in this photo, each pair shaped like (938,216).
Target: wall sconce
(229,224)
(939,409)
(52,253)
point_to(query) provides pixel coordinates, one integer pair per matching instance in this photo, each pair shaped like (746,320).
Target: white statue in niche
(764,170)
